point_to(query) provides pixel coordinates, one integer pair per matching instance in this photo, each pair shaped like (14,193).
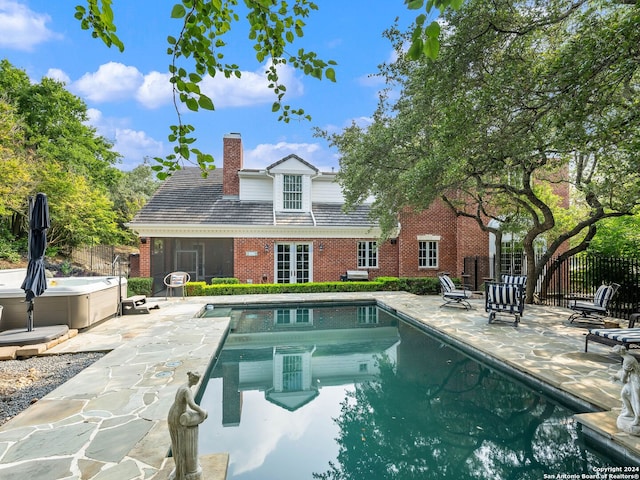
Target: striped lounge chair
(629,337)
(452,294)
(596,309)
(504,299)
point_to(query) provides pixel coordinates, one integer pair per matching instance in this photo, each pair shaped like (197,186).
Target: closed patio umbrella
(35,282)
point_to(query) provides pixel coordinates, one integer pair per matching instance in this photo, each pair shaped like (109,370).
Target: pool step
(134,305)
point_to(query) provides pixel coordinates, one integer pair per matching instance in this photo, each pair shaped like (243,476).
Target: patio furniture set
(507,298)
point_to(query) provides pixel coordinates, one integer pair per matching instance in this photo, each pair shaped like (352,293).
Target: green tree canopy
(15,167)
(523,94)
(46,145)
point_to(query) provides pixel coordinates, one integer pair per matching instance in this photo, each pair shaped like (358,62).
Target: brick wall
(331,258)
(437,220)
(232,162)
(145,258)
(471,240)
(258,268)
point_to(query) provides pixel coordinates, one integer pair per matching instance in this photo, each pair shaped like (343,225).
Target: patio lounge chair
(504,298)
(596,309)
(452,294)
(629,337)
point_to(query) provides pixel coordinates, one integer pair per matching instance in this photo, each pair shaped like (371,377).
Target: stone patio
(109,422)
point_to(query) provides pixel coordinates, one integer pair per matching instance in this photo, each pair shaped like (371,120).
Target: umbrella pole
(30,317)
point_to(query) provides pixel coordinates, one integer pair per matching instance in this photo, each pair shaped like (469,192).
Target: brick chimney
(231,164)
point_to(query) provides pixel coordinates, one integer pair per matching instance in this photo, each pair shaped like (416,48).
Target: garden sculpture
(629,375)
(184,417)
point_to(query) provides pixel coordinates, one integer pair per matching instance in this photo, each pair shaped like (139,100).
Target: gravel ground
(24,382)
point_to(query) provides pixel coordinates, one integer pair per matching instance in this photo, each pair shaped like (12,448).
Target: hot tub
(77,302)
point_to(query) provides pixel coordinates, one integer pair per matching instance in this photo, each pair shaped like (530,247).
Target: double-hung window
(428,251)
(292,192)
(367,255)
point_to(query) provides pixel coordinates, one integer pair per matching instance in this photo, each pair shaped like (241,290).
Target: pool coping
(122,396)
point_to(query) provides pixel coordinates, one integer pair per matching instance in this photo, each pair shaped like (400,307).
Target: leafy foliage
(617,237)
(523,94)
(45,145)
(198,51)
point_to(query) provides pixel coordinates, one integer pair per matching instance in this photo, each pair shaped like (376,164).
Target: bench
(355,275)
(134,305)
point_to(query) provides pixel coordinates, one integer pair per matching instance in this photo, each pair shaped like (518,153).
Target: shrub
(139,286)
(418,286)
(216,281)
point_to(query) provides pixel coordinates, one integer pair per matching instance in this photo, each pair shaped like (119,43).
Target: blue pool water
(354,392)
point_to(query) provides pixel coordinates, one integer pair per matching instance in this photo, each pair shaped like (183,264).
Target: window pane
(292,192)
(428,254)
(367,254)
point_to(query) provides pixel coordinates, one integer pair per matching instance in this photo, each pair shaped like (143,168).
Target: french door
(293,262)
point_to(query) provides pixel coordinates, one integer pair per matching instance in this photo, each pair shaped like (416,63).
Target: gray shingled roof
(188,198)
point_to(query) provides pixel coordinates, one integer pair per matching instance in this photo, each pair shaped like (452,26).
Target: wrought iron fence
(580,276)
(101,260)
(576,277)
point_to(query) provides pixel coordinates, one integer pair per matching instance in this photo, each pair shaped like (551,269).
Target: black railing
(579,277)
(101,260)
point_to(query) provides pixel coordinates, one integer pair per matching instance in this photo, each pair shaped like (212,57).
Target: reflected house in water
(377,398)
(291,353)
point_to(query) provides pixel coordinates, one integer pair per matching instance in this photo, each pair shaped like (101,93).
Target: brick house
(285,224)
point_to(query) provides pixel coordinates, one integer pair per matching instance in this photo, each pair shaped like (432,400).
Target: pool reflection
(354,393)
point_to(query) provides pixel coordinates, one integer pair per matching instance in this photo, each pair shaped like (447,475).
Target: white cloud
(95,117)
(133,145)
(116,81)
(362,122)
(155,90)
(113,81)
(371,80)
(267,153)
(58,75)
(250,89)
(22,28)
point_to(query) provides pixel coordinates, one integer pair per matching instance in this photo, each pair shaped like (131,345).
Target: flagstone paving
(109,421)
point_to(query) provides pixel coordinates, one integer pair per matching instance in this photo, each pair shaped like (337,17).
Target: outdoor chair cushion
(629,337)
(516,279)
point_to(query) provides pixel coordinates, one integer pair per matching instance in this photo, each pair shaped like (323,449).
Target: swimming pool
(355,392)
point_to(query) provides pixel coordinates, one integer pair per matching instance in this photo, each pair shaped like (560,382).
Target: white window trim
(367,266)
(436,240)
(301,192)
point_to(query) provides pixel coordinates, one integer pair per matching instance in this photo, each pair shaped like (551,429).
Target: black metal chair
(505,299)
(452,294)
(596,309)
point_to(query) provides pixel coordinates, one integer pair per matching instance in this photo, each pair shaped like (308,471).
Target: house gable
(292,164)
(292,184)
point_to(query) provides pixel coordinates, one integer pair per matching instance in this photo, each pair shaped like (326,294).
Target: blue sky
(129,99)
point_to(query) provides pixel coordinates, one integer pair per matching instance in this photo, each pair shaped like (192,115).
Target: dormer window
(292,192)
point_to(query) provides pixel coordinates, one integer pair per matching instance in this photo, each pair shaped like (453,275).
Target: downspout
(273,210)
(313,217)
